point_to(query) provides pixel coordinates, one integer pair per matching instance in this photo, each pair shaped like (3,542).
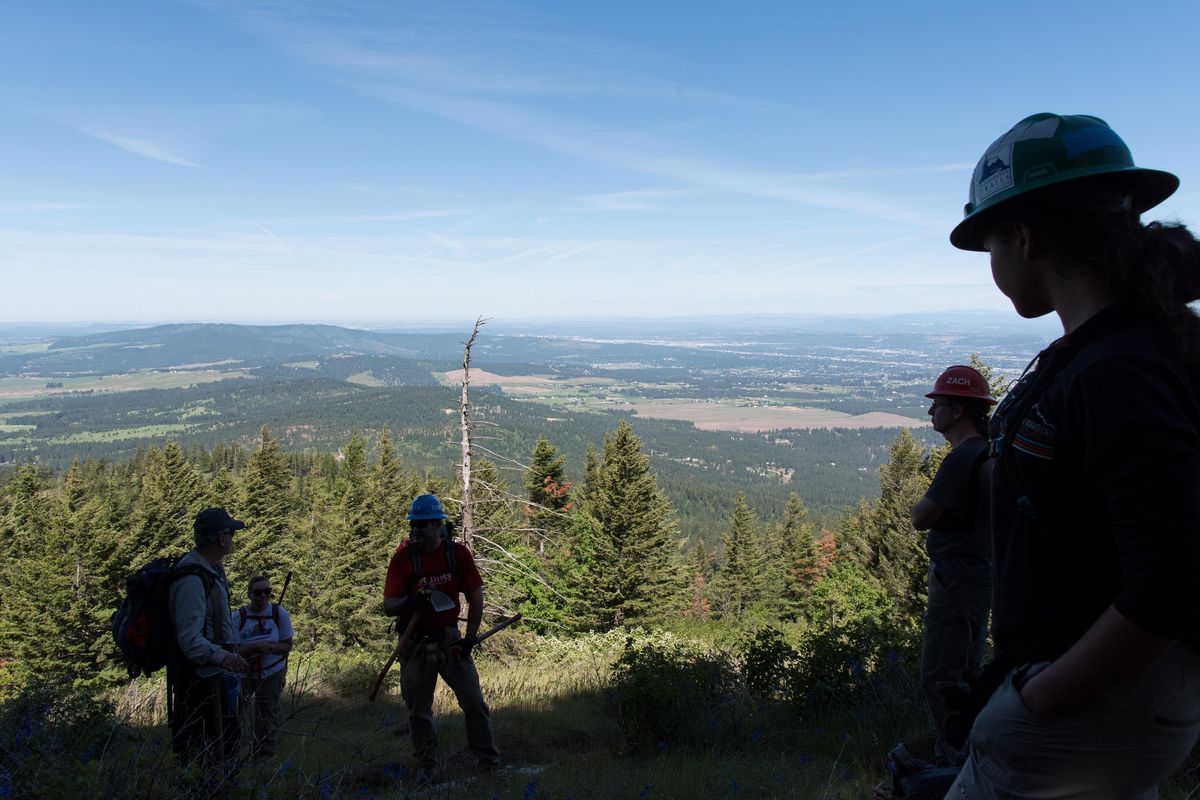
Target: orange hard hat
(962,381)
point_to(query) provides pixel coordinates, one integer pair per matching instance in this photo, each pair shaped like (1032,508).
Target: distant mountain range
(970,321)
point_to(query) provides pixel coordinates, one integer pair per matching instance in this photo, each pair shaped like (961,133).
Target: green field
(28,387)
(118,434)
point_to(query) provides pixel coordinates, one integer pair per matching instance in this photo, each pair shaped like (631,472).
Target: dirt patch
(715,417)
(481,377)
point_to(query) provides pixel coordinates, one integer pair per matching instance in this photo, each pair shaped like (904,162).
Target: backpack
(451,561)
(916,779)
(244,614)
(142,626)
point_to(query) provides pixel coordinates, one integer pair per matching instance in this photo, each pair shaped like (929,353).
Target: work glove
(965,699)
(464,646)
(418,602)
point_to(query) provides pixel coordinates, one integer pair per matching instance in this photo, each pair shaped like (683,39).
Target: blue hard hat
(426,506)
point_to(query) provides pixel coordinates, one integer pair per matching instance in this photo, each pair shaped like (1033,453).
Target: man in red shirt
(430,560)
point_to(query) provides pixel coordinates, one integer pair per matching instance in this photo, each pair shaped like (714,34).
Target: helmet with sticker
(1047,150)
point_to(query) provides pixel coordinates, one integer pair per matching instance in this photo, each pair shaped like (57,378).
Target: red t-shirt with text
(436,574)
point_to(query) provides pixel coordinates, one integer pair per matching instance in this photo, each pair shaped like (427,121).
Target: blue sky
(393,161)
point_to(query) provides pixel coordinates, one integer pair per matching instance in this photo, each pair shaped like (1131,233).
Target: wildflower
(733,785)
(662,745)
(804,759)
(847,775)
(531,789)
(646,789)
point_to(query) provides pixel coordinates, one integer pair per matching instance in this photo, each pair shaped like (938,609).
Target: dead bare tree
(496,560)
(464,418)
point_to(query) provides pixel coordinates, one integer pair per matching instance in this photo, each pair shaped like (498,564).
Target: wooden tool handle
(412,624)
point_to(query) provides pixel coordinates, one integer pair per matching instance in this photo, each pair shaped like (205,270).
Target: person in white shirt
(264,634)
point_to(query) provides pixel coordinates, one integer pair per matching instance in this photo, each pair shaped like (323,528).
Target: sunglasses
(261,593)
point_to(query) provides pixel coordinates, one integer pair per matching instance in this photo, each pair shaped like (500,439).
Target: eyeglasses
(260,593)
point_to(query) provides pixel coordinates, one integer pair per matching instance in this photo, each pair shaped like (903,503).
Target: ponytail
(1155,268)
(1158,268)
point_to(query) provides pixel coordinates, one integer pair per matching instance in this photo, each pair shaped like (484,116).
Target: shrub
(770,664)
(51,738)
(668,692)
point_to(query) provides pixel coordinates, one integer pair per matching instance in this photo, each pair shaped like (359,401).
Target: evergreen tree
(796,553)
(223,491)
(267,546)
(741,581)
(545,483)
(702,572)
(644,583)
(591,479)
(548,493)
(171,495)
(389,493)
(581,562)
(881,538)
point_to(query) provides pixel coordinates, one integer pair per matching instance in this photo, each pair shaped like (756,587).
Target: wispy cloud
(638,199)
(390,216)
(139,147)
(468,82)
(35,207)
(167,133)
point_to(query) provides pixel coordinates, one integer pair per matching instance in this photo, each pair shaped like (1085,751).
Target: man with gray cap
(204,720)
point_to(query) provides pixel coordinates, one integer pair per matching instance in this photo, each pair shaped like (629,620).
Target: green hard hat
(1049,150)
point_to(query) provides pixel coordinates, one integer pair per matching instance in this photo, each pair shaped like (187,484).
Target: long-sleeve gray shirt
(192,615)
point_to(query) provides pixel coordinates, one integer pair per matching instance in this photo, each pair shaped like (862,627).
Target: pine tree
(644,583)
(796,553)
(581,563)
(548,492)
(545,483)
(881,538)
(171,496)
(389,493)
(702,572)
(25,523)
(741,580)
(267,546)
(591,479)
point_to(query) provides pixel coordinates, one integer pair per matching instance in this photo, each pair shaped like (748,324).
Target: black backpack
(916,779)
(141,626)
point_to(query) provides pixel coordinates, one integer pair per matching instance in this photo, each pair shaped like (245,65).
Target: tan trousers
(418,679)
(1120,746)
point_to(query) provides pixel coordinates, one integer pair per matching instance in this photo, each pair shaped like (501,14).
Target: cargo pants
(1122,745)
(418,680)
(955,630)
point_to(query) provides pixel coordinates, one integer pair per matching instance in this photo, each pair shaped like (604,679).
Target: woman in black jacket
(1096,495)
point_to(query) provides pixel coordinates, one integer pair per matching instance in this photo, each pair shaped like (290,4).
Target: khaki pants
(418,679)
(955,630)
(260,702)
(1120,746)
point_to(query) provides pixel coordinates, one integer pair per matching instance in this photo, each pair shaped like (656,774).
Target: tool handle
(499,626)
(286,581)
(412,624)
